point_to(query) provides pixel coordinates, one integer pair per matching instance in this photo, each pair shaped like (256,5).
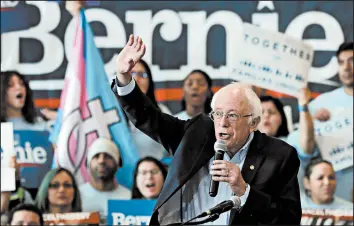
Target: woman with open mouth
(149,177)
(17,106)
(197,95)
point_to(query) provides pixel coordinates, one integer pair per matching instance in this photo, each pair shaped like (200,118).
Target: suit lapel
(254,158)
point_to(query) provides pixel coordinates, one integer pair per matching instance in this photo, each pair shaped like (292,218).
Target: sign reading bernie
(130,212)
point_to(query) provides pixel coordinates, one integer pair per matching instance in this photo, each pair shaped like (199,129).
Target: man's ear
(254,123)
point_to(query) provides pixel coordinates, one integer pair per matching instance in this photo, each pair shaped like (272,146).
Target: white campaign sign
(272,60)
(8,179)
(335,139)
(7,140)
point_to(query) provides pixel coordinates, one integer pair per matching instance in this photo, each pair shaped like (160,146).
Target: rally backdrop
(36,39)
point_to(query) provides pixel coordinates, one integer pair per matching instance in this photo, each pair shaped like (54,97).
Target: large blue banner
(34,154)
(130,212)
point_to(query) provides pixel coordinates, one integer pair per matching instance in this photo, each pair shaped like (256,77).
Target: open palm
(132,52)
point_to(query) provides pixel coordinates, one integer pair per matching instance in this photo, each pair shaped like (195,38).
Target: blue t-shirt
(21,124)
(334,101)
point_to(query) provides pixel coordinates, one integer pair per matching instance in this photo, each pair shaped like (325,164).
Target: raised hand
(132,52)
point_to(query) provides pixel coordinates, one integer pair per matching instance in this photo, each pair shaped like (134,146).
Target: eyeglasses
(231,117)
(140,74)
(57,185)
(152,172)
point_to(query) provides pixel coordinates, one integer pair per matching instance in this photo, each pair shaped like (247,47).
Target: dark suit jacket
(274,196)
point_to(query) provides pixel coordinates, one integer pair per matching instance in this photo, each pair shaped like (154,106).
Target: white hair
(253,100)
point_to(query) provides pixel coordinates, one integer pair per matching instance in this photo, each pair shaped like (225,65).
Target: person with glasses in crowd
(149,177)
(197,95)
(103,161)
(259,170)
(336,104)
(58,193)
(320,185)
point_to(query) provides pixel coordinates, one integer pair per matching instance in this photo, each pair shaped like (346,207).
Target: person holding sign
(320,185)
(149,177)
(59,193)
(330,109)
(20,196)
(258,170)
(29,128)
(331,103)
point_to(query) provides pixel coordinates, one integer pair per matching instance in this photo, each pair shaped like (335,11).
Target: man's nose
(224,121)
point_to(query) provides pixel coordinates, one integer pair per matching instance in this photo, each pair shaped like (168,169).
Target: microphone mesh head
(236,200)
(220,145)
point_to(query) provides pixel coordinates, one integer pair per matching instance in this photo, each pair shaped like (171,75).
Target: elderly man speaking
(260,171)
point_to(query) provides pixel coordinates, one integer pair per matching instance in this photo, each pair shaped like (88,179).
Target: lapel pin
(252,167)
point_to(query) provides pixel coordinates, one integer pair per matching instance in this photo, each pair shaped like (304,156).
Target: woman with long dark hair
(320,185)
(16,98)
(17,106)
(143,77)
(149,177)
(197,95)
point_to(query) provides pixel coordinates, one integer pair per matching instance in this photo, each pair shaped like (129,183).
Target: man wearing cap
(103,161)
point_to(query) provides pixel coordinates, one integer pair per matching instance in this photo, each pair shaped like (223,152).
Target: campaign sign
(130,212)
(7,141)
(34,154)
(84,218)
(335,139)
(327,217)
(272,60)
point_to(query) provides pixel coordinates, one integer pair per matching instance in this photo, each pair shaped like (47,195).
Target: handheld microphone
(223,207)
(220,148)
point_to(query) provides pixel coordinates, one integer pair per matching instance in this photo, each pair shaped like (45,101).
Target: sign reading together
(272,60)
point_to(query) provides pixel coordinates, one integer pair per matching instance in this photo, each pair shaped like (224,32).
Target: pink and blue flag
(88,110)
